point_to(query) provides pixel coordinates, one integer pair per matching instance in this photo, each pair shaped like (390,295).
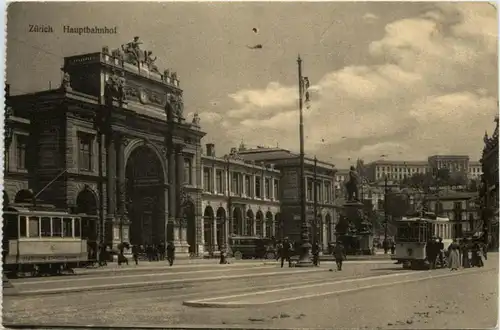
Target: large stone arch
(221,226)
(249,222)
(278,226)
(24,196)
(87,201)
(270,224)
(237,225)
(208,227)
(259,224)
(330,227)
(136,143)
(145,177)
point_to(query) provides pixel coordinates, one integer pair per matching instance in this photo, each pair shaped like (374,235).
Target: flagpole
(305,255)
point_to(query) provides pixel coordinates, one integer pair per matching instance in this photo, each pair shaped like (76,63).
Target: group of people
(286,249)
(466,254)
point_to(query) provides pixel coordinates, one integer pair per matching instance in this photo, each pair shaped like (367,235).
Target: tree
(473,186)
(398,204)
(458,179)
(443,176)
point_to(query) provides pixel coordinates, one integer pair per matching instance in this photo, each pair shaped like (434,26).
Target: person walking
(339,254)
(135,254)
(454,257)
(440,251)
(171,253)
(286,250)
(315,253)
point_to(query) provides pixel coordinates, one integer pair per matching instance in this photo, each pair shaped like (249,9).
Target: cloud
(433,89)
(370,17)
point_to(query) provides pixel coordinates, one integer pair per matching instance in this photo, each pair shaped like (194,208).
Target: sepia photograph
(250,165)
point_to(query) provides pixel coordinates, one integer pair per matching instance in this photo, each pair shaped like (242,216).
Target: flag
(305,90)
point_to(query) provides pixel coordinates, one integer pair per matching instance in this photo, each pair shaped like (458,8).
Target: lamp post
(315,222)
(305,253)
(386,208)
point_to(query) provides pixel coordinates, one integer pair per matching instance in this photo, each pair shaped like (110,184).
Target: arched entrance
(86,204)
(278,226)
(190,223)
(237,222)
(249,224)
(259,224)
(24,196)
(221,225)
(208,225)
(329,228)
(269,225)
(145,194)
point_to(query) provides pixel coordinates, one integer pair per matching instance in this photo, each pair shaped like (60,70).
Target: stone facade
(238,198)
(323,224)
(88,141)
(489,187)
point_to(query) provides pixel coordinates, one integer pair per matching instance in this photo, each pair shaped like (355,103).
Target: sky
(406,80)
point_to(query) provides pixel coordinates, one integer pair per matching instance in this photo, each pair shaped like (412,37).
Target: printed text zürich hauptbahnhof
(45,28)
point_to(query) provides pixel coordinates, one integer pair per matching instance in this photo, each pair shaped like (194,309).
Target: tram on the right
(413,235)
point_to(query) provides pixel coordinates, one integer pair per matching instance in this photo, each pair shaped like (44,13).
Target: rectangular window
(328,192)
(219,181)
(34,227)
(67,227)
(309,195)
(257,187)
(248,186)
(56,227)
(206,179)
(267,188)
(188,166)
(318,191)
(45,227)
(85,151)
(235,187)
(77,227)
(22,227)
(22,146)
(276,190)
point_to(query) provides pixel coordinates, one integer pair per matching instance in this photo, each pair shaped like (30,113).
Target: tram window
(77,227)
(45,226)
(22,226)
(56,227)
(67,227)
(10,226)
(34,227)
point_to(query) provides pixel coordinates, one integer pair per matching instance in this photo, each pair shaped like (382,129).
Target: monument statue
(352,185)
(133,52)
(177,105)
(196,120)
(174,75)
(115,85)
(117,53)
(150,61)
(66,82)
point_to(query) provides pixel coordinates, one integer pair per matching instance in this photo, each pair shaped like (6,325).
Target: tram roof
(48,210)
(425,219)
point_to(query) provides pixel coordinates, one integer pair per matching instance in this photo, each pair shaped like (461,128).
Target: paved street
(366,294)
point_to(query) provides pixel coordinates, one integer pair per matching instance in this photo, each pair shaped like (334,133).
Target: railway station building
(112,143)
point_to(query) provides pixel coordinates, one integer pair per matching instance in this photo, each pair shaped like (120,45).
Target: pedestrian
(223,255)
(393,247)
(286,250)
(170,253)
(339,254)
(466,255)
(279,247)
(440,250)
(315,253)
(431,252)
(386,246)
(454,257)
(161,250)
(135,254)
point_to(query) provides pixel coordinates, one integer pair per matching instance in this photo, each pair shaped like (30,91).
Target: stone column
(182,228)
(214,180)
(172,197)
(254,226)
(214,234)
(111,191)
(122,214)
(264,226)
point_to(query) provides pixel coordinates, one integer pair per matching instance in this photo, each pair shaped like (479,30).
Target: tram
(41,240)
(413,235)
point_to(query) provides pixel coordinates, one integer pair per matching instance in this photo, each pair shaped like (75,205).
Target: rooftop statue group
(132,53)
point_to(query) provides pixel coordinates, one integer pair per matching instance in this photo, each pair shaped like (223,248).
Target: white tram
(413,234)
(41,240)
